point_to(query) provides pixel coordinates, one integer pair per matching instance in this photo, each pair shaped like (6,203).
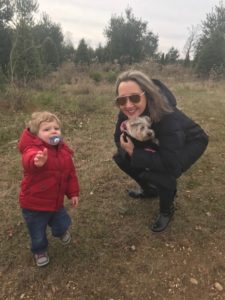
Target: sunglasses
(134,98)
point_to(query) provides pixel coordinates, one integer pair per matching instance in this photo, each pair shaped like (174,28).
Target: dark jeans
(143,178)
(37,222)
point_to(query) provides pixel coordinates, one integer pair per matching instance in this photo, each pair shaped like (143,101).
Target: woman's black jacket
(181,141)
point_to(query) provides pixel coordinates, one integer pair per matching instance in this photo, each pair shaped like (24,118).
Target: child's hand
(41,158)
(74,202)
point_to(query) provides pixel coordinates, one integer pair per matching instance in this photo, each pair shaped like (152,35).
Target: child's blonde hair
(39,117)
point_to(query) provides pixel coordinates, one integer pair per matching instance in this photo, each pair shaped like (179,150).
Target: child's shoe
(65,238)
(41,259)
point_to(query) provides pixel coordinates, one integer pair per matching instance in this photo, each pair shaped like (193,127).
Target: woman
(181,141)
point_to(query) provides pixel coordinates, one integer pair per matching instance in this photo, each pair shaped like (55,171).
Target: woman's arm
(118,132)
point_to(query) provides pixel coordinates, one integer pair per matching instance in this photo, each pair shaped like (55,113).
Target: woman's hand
(127,146)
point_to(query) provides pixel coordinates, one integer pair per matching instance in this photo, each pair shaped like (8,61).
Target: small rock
(194,281)
(198,227)
(218,286)
(133,248)
(123,211)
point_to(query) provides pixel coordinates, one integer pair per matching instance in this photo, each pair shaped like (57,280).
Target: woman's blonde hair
(157,103)
(39,117)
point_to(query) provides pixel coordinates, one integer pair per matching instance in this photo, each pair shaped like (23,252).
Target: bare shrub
(217,73)
(14,98)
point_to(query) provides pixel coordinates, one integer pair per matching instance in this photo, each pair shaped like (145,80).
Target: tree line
(30,49)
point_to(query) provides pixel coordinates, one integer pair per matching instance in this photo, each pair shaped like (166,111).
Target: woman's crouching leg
(147,189)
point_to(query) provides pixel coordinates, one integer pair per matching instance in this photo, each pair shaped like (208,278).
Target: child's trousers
(37,222)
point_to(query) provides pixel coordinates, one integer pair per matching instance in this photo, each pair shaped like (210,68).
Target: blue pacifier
(54,140)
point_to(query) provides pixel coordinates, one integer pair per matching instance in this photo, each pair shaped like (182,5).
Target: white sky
(169,19)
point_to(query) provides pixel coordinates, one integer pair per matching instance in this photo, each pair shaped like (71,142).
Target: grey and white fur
(140,129)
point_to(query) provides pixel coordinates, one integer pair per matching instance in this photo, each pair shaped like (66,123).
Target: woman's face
(129,108)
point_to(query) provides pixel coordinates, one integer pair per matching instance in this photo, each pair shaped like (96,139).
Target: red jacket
(43,188)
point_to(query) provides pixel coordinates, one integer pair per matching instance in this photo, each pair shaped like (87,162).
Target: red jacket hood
(28,139)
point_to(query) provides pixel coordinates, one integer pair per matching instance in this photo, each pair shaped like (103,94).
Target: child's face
(48,130)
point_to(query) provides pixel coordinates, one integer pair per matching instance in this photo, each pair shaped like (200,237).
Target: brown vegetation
(113,254)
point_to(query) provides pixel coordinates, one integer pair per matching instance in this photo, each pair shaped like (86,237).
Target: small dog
(139,129)
(143,136)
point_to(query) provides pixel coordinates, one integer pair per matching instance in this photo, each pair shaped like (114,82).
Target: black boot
(150,192)
(163,220)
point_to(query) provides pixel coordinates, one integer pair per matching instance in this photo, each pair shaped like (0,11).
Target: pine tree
(210,49)
(6,14)
(129,39)
(25,59)
(82,53)
(50,57)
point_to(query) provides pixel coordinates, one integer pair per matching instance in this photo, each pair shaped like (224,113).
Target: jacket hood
(27,140)
(166,92)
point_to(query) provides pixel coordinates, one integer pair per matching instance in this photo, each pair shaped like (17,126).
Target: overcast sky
(169,19)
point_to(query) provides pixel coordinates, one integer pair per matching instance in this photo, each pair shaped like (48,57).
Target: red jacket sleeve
(73,188)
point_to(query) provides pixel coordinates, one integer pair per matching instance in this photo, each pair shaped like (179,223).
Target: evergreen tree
(50,57)
(102,54)
(25,59)
(48,29)
(172,56)
(82,53)
(162,60)
(128,39)
(25,10)
(68,49)
(210,48)
(6,14)
(24,56)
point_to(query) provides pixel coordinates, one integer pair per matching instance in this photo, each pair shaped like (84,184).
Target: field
(113,254)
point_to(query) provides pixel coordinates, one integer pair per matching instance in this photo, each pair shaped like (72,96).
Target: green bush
(111,77)
(96,76)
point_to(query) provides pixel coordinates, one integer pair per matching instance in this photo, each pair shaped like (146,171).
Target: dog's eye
(142,127)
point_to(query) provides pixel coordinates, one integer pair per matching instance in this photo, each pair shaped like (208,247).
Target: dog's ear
(147,118)
(123,126)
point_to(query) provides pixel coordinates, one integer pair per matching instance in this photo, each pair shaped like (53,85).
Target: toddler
(49,174)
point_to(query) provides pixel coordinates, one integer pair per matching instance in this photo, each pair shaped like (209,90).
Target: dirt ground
(113,254)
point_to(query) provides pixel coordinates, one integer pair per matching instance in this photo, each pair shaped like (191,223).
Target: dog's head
(140,128)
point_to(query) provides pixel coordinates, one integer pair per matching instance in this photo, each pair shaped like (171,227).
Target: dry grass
(113,254)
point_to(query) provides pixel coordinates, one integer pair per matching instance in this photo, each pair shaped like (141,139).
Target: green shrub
(111,77)
(96,76)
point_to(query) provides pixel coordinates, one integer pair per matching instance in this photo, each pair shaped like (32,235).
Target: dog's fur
(140,129)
